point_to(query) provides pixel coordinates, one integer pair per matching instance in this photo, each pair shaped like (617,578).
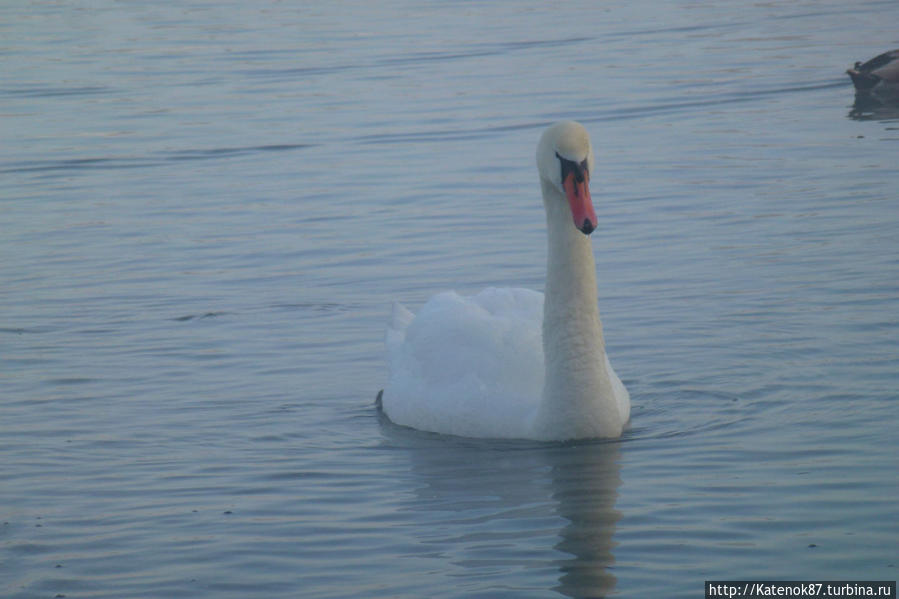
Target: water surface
(207,210)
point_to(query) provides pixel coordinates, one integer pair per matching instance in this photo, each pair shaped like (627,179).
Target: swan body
(515,363)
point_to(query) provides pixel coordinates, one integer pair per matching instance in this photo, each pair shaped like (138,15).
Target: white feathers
(474,366)
(469,366)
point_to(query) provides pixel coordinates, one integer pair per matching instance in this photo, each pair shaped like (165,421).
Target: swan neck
(571,294)
(578,394)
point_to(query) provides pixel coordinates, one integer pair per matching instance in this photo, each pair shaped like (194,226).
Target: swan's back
(470,366)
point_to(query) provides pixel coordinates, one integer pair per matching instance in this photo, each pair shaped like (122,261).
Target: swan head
(565,161)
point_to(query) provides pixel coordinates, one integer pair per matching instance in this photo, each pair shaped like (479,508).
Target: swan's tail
(400,317)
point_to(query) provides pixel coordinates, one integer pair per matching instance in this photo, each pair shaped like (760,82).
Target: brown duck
(880,75)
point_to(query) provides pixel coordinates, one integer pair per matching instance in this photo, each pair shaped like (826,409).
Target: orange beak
(578,194)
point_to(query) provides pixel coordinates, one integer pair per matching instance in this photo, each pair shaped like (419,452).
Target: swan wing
(470,366)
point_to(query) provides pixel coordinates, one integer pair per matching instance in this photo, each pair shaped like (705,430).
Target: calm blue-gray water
(207,208)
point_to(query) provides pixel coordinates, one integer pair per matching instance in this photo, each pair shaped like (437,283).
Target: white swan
(483,366)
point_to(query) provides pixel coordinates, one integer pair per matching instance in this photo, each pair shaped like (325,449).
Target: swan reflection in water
(585,484)
(547,506)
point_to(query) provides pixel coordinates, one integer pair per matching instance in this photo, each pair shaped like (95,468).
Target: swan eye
(581,171)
